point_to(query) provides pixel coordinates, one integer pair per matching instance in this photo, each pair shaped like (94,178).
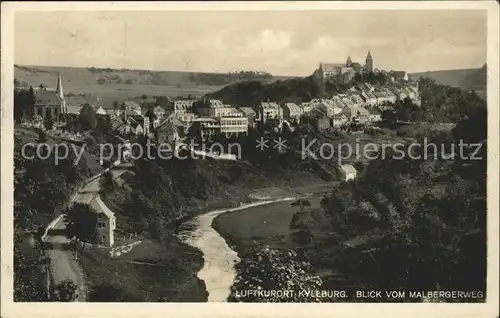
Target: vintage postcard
(250,159)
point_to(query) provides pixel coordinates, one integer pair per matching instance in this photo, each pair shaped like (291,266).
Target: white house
(101,111)
(348,172)
(292,111)
(106,222)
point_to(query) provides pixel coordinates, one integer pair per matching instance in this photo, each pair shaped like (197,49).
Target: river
(218,271)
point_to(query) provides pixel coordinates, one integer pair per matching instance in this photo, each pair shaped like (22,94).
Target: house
(399,75)
(140,124)
(249,113)
(292,111)
(356,99)
(170,131)
(209,127)
(363,114)
(269,110)
(106,222)
(101,111)
(374,115)
(215,108)
(159,112)
(347,172)
(132,108)
(384,108)
(339,120)
(369,98)
(351,113)
(328,107)
(322,120)
(233,126)
(337,100)
(307,107)
(390,95)
(183,106)
(124,129)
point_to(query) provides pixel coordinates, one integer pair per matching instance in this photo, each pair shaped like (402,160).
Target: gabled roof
(247,111)
(184,104)
(130,104)
(292,107)
(100,207)
(44,97)
(348,168)
(362,111)
(329,67)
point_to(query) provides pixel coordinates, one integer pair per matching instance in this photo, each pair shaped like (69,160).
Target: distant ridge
(467,79)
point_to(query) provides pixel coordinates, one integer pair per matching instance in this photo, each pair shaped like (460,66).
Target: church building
(50,103)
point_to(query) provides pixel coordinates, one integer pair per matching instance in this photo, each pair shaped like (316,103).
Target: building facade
(49,103)
(106,222)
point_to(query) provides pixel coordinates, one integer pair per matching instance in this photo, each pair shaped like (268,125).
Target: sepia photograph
(278,153)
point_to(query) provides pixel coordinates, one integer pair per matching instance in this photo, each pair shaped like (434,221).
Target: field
(268,224)
(110,85)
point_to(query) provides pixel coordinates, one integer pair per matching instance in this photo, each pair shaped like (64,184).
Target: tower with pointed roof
(349,62)
(369,62)
(60,94)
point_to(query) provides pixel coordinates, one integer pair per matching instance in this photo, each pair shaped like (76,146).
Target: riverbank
(218,271)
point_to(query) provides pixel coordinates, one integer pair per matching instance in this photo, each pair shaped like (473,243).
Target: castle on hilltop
(344,72)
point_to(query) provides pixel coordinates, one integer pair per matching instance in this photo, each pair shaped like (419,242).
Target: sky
(290,43)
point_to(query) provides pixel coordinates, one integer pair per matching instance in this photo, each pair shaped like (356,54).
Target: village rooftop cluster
(360,105)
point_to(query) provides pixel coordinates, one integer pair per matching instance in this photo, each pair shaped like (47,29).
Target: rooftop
(348,168)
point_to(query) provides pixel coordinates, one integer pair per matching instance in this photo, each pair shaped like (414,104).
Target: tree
(87,117)
(30,265)
(107,182)
(151,115)
(66,291)
(265,269)
(81,220)
(48,122)
(42,136)
(106,292)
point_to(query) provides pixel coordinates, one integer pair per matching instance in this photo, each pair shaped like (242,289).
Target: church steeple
(59,89)
(369,62)
(349,62)
(60,94)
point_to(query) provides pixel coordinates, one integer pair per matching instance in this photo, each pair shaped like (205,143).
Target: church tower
(60,94)
(349,62)
(369,62)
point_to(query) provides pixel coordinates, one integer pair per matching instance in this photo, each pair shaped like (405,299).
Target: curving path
(62,260)
(218,271)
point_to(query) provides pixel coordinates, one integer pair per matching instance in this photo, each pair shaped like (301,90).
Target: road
(62,260)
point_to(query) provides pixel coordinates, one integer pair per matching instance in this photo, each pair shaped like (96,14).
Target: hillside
(463,78)
(253,92)
(113,84)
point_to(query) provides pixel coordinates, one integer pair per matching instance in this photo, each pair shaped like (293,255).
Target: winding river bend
(218,271)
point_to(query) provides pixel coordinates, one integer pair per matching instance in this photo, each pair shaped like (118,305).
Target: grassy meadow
(110,84)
